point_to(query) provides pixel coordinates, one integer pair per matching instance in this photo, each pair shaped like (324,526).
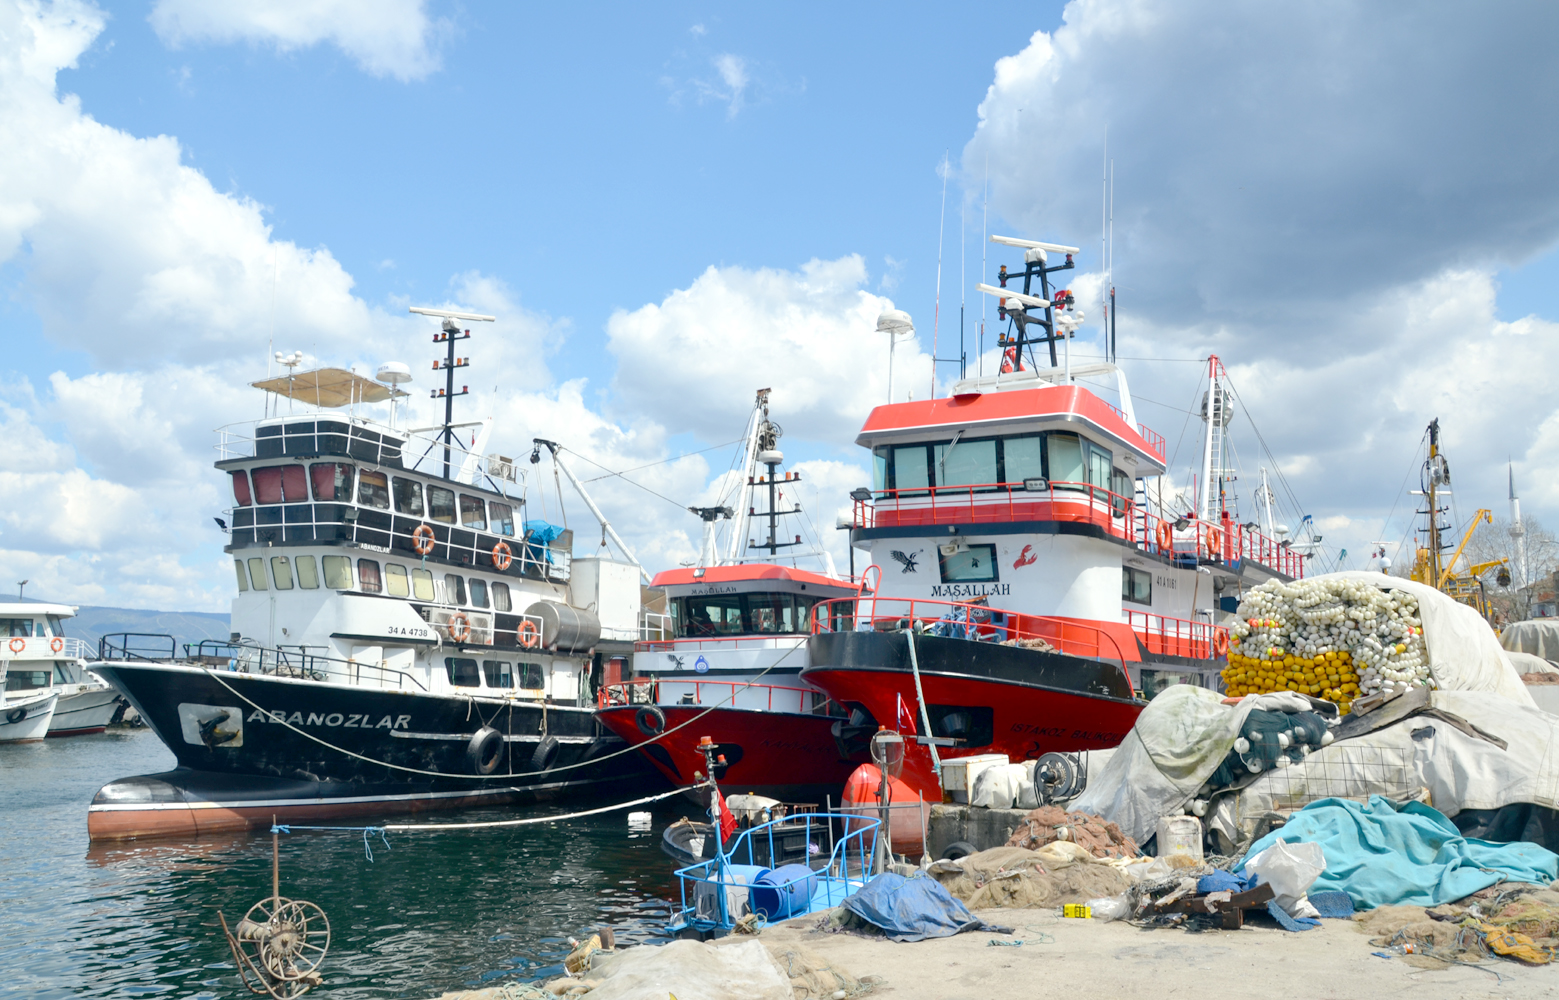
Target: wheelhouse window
(974,564)
(498,674)
(373,489)
(879,469)
(332,481)
(396,582)
(257,573)
(714,614)
(501,600)
(478,593)
(910,471)
(243,578)
(308,572)
(462,672)
(1136,585)
(1099,465)
(422,584)
(739,614)
(408,496)
(473,513)
(241,495)
(1064,452)
(502,518)
(454,589)
(368,576)
(441,505)
(338,572)
(966,463)
(281,572)
(771,613)
(267,485)
(16,628)
(1023,458)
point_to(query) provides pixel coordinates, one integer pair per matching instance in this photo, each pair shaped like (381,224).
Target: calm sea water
(436,912)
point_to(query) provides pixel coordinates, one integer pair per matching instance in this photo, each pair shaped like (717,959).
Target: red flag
(727,818)
(906,719)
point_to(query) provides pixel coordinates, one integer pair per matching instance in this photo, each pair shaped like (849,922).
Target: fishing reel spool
(1058,776)
(280,943)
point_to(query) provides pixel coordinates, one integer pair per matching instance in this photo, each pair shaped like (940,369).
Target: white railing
(41,647)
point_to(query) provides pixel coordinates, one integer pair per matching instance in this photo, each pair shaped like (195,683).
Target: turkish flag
(727,818)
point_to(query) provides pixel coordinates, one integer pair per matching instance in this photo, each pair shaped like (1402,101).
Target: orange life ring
(1221,643)
(422,540)
(18,644)
(530,635)
(503,556)
(459,627)
(1165,535)
(56,644)
(1214,543)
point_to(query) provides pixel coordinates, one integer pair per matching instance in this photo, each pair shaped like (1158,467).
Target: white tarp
(691,970)
(1540,637)
(1529,663)
(1464,652)
(1459,770)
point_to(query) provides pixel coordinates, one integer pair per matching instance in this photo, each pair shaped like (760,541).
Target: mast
(1215,412)
(760,410)
(448,334)
(1518,531)
(1437,477)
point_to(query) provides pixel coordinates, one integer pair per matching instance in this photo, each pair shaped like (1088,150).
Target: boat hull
(250,746)
(88,710)
(23,720)
(1020,702)
(789,756)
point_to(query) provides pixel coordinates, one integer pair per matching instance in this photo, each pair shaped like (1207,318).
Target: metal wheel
(283,941)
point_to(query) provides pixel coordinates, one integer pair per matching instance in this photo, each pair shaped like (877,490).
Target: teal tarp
(1382,854)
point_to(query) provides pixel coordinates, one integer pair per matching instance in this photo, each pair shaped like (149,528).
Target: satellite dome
(393,373)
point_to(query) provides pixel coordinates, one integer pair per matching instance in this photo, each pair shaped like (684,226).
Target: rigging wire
(1401,491)
(619,475)
(664,461)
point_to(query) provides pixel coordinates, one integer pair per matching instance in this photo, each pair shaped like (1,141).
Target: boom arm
(1483,515)
(552,446)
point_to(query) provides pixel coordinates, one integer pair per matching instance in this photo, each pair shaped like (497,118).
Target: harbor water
(435,912)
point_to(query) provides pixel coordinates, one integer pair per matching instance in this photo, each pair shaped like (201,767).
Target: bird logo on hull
(907,561)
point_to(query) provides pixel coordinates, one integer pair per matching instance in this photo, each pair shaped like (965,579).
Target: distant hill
(92,623)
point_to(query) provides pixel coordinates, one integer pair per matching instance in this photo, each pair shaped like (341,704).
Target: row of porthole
(393,579)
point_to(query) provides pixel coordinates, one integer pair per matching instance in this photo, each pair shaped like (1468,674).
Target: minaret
(1517,531)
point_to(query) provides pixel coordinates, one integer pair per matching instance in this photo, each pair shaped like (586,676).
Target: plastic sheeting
(1381,855)
(692,970)
(1005,786)
(1529,663)
(1464,653)
(1539,637)
(913,909)
(1459,770)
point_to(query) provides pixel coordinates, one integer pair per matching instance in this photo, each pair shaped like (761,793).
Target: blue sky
(669,207)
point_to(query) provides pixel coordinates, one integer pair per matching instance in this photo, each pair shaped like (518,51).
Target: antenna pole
(940,233)
(985,239)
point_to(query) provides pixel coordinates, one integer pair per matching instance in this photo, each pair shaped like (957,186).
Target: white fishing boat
(44,660)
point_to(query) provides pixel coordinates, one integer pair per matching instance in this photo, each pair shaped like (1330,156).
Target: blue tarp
(913,909)
(538,535)
(1381,854)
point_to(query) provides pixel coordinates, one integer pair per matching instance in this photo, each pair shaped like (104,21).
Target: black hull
(333,749)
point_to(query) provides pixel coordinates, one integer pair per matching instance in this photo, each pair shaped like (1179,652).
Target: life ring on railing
(459,627)
(18,644)
(650,720)
(1214,544)
(503,556)
(56,644)
(1221,643)
(1164,535)
(530,635)
(422,540)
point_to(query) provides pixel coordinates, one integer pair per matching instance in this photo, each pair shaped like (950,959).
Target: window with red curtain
(294,483)
(332,481)
(267,484)
(241,488)
(368,576)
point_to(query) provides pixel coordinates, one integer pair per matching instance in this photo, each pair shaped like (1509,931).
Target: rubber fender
(485,751)
(650,720)
(546,753)
(958,849)
(16,715)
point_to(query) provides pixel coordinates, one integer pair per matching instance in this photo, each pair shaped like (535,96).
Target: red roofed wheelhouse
(728,659)
(1036,576)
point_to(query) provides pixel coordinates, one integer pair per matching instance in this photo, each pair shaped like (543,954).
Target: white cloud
(393,38)
(809,334)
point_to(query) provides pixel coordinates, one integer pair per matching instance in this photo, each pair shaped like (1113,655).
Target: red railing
(769,640)
(1166,636)
(1120,516)
(1064,635)
(646,691)
(1154,440)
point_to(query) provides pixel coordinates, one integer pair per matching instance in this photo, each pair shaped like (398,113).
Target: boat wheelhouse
(730,669)
(40,658)
(402,636)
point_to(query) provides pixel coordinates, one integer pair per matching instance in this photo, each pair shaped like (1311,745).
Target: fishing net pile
(1517,922)
(813,977)
(1017,877)
(1331,638)
(1048,824)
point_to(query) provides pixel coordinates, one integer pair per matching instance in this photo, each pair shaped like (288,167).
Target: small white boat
(25,717)
(43,660)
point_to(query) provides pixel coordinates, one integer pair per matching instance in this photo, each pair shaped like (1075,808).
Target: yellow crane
(1428,565)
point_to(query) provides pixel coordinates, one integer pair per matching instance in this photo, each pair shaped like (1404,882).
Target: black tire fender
(16,715)
(485,751)
(650,720)
(546,753)
(958,849)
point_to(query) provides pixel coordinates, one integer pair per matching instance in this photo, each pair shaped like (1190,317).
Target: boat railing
(42,647)
(1181,540)
(323,435)
(715,693)
(775,640)
(1165,636)
(654,626)
(713,885)
(974,622)
(148,646)
(297,662)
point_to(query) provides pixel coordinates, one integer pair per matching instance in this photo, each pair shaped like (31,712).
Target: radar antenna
(447,335)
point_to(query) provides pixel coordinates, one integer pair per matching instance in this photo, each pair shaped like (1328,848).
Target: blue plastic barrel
(776,900)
